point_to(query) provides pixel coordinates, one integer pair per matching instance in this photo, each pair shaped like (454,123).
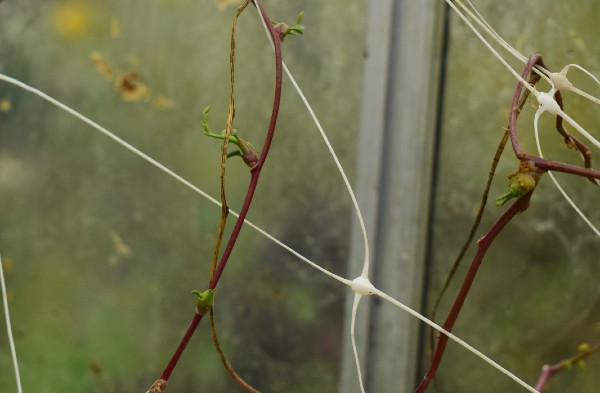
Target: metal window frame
(395,168)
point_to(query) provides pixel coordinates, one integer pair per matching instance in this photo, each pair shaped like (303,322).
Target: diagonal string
(252,225)
(11,341)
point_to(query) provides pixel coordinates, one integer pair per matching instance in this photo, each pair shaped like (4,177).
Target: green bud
(520,183)
(205,126)
(584,347)
(205,300)
(284,29)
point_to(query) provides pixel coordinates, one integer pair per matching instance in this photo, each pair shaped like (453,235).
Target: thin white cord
(205,195)
(515,53)
(490,30)
(489,46)
(475,15)
(109,134)
(11,341)
(552,78)
(456,339)
(162,167)
(365,271)
(214,201)
(560,189)
(355,303)
(579,128)
(563,73)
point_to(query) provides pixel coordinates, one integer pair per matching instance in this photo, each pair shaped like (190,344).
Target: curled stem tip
(284,29)
(245,149)
(205,301)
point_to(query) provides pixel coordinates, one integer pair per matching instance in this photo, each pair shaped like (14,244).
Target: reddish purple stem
(255,171)
(181,347)
(254,175)
(549,371)
(521,204)
(542,163)
(483,244)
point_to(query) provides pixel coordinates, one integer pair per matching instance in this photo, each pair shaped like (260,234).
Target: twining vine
(255,162)
(522,184)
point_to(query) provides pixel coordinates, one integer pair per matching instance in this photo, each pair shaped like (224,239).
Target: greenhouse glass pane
(102,250)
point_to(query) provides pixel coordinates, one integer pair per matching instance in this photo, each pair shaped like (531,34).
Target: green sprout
(245,149)
(522,181)
(205,300)
(285,30)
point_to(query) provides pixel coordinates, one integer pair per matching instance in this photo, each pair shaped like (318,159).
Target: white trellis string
(549,104)
(355,303)
(489,46)
(11,341)
(261,231)
(558,80)
(585,219)
(363,278)
(562,82)
(158,165)
(365,271)
(456,339)
(166,170)
(513,51)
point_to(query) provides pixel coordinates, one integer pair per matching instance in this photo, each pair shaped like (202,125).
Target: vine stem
(224,208)
(181,347)
(537,164)
(483,244)
(482,204)
(542,163)
(548,371)
(257,168)
(255,171)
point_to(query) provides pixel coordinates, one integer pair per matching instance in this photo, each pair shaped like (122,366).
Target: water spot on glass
(115,27)
(577,40)
(101,65)
(121,249)
(132,87)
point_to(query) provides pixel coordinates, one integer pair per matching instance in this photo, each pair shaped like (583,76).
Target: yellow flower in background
(71,19)
(5,104)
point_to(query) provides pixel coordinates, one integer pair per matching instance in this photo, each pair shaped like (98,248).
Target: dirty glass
(101,250)
(536,297)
